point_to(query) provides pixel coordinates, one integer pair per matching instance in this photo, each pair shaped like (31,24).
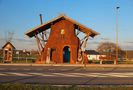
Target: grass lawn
(49,87)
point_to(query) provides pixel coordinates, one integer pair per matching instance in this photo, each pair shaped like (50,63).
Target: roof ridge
(48,24)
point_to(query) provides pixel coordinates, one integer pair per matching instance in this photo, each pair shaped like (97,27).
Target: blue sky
(18,16)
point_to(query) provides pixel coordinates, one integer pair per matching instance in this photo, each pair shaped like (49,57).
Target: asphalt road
(66,75)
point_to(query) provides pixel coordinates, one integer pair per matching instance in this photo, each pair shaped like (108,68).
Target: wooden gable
(47,25)
(8,44)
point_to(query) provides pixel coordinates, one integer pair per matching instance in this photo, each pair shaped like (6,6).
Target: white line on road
(41,74)
(18,74)
(127,74)
(63,74)
(2,74)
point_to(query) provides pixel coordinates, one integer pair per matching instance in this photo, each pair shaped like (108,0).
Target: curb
(74,65)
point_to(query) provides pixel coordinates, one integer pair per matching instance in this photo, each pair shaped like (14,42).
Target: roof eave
(47,25)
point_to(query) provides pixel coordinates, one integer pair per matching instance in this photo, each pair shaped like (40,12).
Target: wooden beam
(38,44)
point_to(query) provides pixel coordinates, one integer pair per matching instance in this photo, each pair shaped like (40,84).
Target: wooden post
(116,61)
(38,44)
(41,18)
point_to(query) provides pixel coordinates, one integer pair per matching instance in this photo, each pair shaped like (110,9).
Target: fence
(21,59)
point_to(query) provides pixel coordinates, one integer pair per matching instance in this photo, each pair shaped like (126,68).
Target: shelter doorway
(66,54)
(8,55)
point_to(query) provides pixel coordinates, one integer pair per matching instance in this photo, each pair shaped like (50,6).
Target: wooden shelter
(63,45)
(8,49)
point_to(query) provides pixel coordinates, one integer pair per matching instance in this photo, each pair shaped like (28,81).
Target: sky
(18,16)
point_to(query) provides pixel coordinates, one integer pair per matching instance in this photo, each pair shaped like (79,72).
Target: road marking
(40,74)
(63,74)
(19,74)
(2,74)
(89,74)
(129,74)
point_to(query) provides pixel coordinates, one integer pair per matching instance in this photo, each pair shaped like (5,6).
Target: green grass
(49,87)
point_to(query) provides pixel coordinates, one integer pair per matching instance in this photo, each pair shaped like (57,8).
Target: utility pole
(41,19)
(117,10)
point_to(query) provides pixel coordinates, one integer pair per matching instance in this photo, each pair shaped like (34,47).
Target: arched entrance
(66,54)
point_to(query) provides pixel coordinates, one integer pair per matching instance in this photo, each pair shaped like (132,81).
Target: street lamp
(116,61)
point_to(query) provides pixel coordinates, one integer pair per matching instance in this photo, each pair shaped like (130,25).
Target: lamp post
(116,61)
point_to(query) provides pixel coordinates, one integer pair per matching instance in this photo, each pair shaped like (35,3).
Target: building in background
(17,56)
(93,55)
(8,50)
(129,55)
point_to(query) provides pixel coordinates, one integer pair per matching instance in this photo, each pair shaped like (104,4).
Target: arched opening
(66,54)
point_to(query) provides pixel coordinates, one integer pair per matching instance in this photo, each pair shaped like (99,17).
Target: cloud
(131,42)
(23,40)
(127,45)
(93,42)
(105,39)
(21,43)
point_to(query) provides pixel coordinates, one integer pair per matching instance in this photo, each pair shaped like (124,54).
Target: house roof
(92,52)
(7,44)
(47,25)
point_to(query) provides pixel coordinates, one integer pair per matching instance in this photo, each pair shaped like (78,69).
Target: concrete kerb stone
(73,65)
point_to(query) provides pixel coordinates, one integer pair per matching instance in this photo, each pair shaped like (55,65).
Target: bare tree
(109,49)
(9,36)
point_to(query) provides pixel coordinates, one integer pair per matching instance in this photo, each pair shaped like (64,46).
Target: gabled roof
(47,25)
(7,44)
(92,52)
